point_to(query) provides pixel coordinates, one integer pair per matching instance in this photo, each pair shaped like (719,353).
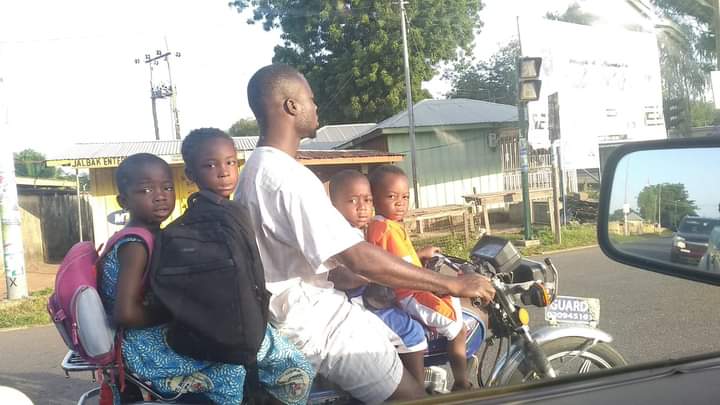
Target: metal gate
(539,165)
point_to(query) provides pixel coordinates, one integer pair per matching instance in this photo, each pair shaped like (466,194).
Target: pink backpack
(76,308)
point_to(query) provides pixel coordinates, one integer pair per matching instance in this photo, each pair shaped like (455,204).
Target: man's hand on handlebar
(427,252)
(471,285)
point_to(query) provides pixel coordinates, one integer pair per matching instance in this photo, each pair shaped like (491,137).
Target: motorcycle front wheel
(567,358)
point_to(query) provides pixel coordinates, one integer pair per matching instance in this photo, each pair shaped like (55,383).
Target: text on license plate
(567,309)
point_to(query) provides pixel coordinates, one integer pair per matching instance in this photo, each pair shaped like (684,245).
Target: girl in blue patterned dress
(146,191)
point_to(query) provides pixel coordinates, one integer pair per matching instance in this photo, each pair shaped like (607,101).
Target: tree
(31,163)
(493,80)
(673,200)
(704,114)
(244,127)
(573,14)
(351,51)
(687,53)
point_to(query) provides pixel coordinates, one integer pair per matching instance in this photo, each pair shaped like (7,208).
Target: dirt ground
(39,276)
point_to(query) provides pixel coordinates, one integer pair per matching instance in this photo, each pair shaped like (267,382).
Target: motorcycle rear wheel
(566,358)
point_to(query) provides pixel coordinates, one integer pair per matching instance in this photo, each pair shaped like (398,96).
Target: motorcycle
(548,352)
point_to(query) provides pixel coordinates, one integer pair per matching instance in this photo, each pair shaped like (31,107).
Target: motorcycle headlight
(679,242)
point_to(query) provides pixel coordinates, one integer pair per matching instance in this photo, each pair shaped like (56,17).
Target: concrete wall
(31,227)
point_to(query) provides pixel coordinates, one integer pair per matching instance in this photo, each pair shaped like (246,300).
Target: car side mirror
(659,207)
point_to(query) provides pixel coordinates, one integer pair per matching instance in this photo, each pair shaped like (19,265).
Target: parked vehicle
(691,239)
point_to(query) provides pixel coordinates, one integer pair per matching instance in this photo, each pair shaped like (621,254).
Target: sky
(68,71)
(694,168)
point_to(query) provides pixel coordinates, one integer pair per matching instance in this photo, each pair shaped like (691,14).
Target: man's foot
(462,386)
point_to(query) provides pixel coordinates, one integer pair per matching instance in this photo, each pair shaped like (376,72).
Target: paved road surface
(656,248)
(651,317)
(30,361)
(653,248)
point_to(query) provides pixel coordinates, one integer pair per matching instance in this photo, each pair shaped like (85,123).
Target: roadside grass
(28,311)
(450,245)
(641,237)
(572,235)
(575,235)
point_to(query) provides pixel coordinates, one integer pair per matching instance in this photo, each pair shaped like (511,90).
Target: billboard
(607,82)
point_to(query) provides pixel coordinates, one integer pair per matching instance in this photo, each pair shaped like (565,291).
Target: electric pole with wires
(411,115)
(162,90)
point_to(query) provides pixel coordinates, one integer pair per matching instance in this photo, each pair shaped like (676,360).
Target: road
(653,248)
(656,248)
(650,316)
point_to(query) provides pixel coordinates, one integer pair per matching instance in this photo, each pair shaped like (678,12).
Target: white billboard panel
(608,85)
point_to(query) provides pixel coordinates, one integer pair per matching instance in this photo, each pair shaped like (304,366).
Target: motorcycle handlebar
(501,281)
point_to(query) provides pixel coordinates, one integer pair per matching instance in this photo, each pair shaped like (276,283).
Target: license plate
(575,310)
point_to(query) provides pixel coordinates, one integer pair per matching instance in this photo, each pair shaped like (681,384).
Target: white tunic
(297,231)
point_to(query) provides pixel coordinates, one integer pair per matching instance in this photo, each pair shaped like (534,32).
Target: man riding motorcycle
(298,230)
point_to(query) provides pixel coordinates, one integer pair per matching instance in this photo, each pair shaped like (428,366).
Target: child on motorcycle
(211,163)
(390,190)
(146,191)
(350,194)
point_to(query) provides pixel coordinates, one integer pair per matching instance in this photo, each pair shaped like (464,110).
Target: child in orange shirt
(391,193)
(350,194)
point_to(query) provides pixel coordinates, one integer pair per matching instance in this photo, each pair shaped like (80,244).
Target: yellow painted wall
(103,193)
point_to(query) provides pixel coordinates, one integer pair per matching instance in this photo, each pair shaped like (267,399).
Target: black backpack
(206,271)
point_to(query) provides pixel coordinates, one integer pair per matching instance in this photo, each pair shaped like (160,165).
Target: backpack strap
(148,238)
(141,233)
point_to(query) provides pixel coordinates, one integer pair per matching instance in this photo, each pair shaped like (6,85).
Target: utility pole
(162,90)
(660,205)
(13,253)
(717,32)
(411,115)
(173,95)
(554,135)
(79,203)
(528,69)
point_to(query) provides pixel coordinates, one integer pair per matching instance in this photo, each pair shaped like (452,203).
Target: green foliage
(687,53)
(31,163)
(27,311)
(673,200)
(573,14)
(494,79)
(244,127)
(351,51)
(704,114)
(572,236)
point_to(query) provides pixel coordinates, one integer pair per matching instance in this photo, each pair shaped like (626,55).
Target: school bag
(76,308)
(206,272)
